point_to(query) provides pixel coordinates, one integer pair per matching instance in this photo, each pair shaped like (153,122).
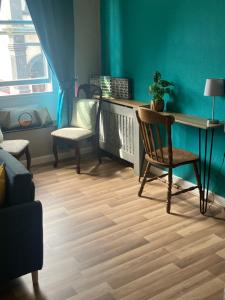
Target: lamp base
(212,121)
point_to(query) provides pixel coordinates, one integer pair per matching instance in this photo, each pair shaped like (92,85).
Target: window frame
(47,80)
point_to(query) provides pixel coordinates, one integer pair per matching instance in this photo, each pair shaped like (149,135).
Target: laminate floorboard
(103,242)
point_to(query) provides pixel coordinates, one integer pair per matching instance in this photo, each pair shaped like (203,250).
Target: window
(23,66)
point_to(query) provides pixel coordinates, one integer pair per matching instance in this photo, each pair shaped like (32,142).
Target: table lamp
(214,87)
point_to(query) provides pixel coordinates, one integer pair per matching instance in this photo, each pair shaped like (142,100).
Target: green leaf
(157,76)
(165,83)
(167,90)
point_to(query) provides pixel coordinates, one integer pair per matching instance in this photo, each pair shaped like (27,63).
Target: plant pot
(157,105)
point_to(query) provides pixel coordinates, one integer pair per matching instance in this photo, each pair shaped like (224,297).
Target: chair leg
(170,181)
(55,152)
(28,158)
(99,153)
(95,142)
(77,152)
(144,179)
(198,179)
(34,277)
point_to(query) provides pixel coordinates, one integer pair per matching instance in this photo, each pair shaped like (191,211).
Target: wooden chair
(84,124)
(151,125)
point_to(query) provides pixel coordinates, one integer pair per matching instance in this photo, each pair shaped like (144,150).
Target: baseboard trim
(44,159)
(183,184)
(177,181)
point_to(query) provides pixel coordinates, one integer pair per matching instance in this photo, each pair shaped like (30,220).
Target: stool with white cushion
(17,148)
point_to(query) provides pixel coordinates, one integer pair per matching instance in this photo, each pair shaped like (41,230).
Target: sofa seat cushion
(14,147)
(73,133)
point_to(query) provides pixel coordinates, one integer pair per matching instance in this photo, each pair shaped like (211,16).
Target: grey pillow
(43,116)
(4,119)
(18,117)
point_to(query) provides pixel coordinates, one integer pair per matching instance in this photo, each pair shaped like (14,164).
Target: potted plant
(158,89)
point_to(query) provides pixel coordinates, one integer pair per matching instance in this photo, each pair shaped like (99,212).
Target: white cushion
(84,113)
(72,133)
(14,146)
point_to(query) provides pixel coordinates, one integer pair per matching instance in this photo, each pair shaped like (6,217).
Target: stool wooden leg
(98,151)
(34,277)
(55,152)
(96,147)
(77,152)
(28,157)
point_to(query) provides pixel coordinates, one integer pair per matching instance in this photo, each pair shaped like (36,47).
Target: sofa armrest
(19,185)
(21,239)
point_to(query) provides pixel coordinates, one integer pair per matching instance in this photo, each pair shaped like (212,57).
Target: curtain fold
(54,23)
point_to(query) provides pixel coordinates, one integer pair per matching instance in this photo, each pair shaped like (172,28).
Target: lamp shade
(214,87)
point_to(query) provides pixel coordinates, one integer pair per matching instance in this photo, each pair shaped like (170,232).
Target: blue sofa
(21,233)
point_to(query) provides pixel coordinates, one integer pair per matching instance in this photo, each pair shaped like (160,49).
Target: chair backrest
(89,91)
(152,126)
(86,108)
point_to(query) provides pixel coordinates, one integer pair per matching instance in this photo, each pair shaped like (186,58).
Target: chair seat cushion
(180,157)
(72,133)
(14,147)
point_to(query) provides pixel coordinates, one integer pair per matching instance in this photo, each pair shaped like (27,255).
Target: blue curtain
(54,23)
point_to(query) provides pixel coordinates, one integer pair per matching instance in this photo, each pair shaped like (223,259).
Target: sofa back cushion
(19,185)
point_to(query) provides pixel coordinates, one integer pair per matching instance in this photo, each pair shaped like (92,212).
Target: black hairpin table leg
(206,170)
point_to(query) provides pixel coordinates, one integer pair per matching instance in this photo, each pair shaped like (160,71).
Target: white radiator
(119,132)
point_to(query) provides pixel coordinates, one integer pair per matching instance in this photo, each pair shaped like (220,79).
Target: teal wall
(185,41)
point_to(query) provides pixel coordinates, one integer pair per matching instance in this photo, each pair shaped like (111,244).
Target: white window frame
(27,81)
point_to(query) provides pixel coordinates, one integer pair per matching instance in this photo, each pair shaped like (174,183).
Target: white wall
(87,38)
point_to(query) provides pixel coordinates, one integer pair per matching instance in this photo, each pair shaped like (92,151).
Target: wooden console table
(119,135)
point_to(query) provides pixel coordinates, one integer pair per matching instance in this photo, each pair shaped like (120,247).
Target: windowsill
(53,125)
(27,95)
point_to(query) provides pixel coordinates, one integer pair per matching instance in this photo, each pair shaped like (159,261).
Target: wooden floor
(102,242)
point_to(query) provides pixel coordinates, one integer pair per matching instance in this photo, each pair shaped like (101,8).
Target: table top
(193,121)
(189,120)
(124,102)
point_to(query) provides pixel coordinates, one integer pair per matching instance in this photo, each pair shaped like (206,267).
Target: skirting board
(183,184)
(177,181)
(50,157)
